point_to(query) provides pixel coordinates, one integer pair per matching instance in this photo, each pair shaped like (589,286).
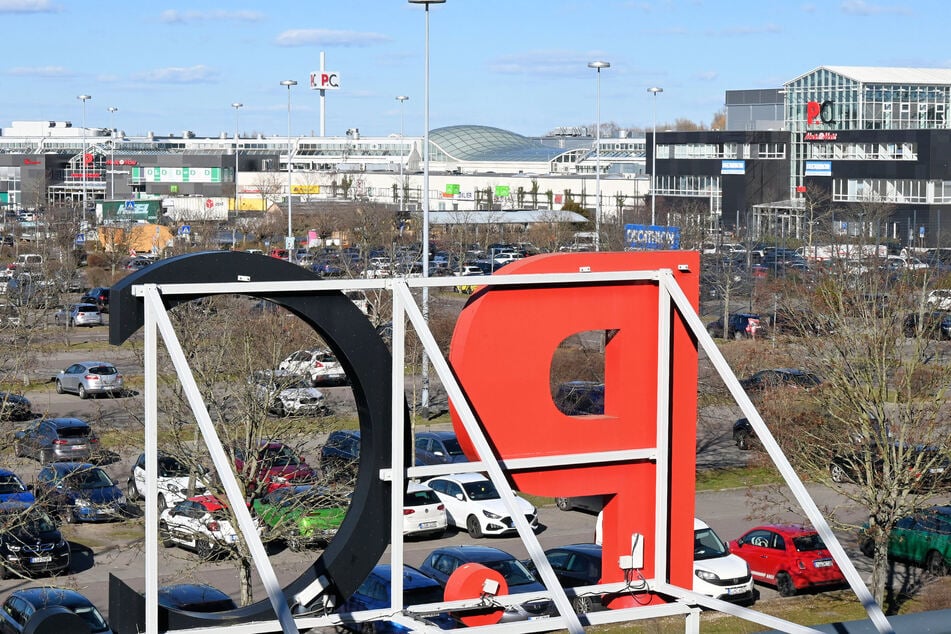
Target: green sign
(452,189)
(502,191)
(147,210)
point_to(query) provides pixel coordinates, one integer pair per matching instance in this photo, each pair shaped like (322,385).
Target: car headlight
(279,479)
(120,499)
(491,515)
(173,488)
(13,549)
(706,575)
(81,503)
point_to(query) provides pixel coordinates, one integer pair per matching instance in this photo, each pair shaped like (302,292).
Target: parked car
(790,557)
(442,562)
(78,315)
(200,524)
(340,454)
(89,378)
(15,407)
(318,365)
(590,503)
(175,480)
(21,605)
(576,565)
(99,296)
(424,514)
(375,593)
(195,597)
(30,542)
(53,439)
(474,504)
(438,447)
(927,467)
(13,489)
(743,434)
(578,398)
(939,298)
(716,572)
(302,515)
(284,394)
(922,539)
(739,326)
(9,315)
(277,465)
(932,325)
(80,492)
(778,377)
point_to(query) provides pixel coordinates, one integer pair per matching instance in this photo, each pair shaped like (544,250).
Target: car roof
(65,421)
(210,502)
(190,593)
(464,477)
(787,530)
(440,434)
(412,578)
(6,472)
(69,467)
(591,549)
(475,553)
(52,596)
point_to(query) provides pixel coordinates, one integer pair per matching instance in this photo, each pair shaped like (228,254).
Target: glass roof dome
(483,143)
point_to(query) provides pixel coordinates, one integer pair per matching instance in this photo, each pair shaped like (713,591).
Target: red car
(790,557)
(278,466)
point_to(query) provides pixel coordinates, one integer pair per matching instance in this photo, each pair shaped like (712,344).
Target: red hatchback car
(790,557)
(278,466)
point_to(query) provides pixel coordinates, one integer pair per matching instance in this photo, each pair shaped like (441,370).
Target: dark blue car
(374,593)
(80,492)
(12,488)
(438,447)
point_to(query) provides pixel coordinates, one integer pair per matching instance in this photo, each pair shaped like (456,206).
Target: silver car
(78,315)
(89,377)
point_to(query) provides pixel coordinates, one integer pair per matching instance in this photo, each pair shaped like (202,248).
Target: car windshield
(10,484)
(92,617)
(33,523)
(512,570)
(418,596)
(708,545)
(805,543)
(482,490)
(89,479)
(420,498)
(280,457)
(453,448)
(170,468)
(103,369)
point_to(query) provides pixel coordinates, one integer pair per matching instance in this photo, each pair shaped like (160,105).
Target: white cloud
(327,37)
(861,7)
(39,71)
(550,63)
(173,16)
(28,6)
(707,75)
(179,75)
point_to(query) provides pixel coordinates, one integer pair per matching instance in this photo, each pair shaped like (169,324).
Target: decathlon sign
(653,237)
(324,80)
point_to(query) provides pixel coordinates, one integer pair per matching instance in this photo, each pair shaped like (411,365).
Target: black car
(20,605)
(933,325)
(576,565)
(438,447)
(99,296)
(776,377)
(577,398)
(195,597)
(926,466)
(15,407)
(80,492)
(743,434)
(30,541)
(739,326)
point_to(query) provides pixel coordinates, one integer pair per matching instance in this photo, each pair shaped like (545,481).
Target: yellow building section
(305,189)
(141,238)
(250,203)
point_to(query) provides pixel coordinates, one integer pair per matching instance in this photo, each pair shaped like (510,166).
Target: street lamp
(112,153)
(236,106)
(401,99)
(289,241)
(654,90)
(597,176)
(424,394)
(84,98)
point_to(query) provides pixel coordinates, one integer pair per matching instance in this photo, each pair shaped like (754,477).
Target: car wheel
(5,572)
(294,544)
(82,391)
(165,535)
(131,492)
(838,473)
(936,564)
(473,526)
(59,386)
(743,441)
(581,605)
(737,334)
(784,584)
(867,547)
(204,549)
(563,504)
(161,503)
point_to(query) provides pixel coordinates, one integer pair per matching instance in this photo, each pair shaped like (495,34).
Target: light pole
(289,241)
(84,98)
(112,153)
(654,90)
(424,395)
(597,152)
(236,106)
(401,99)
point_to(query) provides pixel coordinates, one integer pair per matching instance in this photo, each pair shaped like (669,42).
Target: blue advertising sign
(653,237)
(818,168)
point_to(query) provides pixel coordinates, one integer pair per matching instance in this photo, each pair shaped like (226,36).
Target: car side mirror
(739,543)
(437,453)
(460,497)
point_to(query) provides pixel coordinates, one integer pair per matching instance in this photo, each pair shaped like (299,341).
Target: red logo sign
(820,136)
(821,111)
(29,162)
(801,189)
(87,159)
(209,204)
(122,162)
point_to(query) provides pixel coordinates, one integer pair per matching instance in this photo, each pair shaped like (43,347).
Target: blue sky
(520,65)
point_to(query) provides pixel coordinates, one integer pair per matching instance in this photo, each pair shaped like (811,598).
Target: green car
(922,539)
(302,515)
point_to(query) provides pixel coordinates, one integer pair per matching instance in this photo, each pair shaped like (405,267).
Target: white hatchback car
(200,524)
(716,572)
(423,512)
(473,503)
(173,481)
(288,394)
(318,365)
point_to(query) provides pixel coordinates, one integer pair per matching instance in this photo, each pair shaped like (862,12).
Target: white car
(423,512)
(716,572)
(173,481)
(200,524)
(288,394)
(473,503)
(318,365)
(940,298)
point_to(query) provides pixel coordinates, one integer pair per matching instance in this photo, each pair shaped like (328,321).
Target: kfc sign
(324,80)
(821,111)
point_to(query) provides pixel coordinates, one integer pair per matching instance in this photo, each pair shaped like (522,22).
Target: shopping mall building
(862,150)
